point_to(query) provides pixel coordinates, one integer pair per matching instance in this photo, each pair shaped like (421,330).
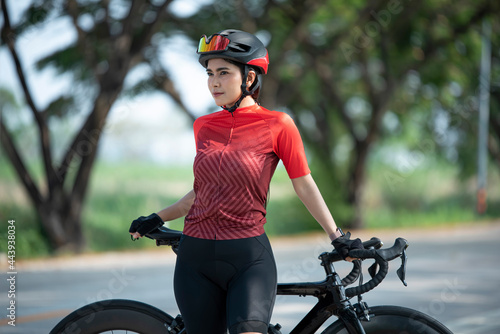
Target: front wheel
(394,320)
(115,316)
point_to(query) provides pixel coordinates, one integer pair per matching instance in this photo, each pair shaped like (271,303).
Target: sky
(131,121)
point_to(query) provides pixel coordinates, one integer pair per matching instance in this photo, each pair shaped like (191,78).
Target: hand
(343,245)
(143,225)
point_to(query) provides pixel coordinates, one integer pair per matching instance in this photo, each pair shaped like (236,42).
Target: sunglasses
(216,43)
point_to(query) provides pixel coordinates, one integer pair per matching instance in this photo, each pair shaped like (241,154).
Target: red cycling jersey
(236,158)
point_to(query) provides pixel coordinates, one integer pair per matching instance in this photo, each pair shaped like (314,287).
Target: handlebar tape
(382,258)
(371,284)
(353,275)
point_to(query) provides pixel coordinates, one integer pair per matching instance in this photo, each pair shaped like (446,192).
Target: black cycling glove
(144,225)
(343,245)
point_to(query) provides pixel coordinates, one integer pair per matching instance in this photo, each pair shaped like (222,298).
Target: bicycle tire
(394,320)
(124,316)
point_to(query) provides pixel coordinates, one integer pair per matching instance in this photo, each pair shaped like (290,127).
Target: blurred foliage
(111,39)
(427,196)
(367,82)
(352,74)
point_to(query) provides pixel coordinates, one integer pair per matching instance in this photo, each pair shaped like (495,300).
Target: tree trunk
(62,224)
(355,187)
(63,209)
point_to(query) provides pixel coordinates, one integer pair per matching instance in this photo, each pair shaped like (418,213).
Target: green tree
(338,68)
(113,38)
(446,93)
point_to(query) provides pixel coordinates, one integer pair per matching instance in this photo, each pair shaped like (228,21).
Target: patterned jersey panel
(237,155)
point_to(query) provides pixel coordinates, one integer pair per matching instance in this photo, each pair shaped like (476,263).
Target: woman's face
(224,81)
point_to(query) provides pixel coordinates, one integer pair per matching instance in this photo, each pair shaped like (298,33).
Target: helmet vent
(239,47)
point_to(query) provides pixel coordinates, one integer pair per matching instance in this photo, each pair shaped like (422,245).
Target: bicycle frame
(331,301)
(331,293)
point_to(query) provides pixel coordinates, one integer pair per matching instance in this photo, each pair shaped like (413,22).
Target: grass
(425,197)
(121,192)
(115,201)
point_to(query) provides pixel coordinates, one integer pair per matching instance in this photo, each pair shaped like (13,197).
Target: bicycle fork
(351,321)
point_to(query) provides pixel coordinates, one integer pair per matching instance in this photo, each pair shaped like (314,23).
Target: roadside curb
(98,261)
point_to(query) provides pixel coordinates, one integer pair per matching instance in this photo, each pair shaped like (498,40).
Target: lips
(216,94)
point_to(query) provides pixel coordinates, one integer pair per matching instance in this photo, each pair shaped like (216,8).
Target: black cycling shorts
(225,284)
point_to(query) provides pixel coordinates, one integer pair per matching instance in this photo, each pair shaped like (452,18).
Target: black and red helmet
(235,45)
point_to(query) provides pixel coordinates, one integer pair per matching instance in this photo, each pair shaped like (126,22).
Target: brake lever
(402,270)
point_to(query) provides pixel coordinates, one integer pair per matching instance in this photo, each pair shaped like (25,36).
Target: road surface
(453,275)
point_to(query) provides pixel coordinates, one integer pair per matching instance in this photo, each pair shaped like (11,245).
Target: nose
(214,82)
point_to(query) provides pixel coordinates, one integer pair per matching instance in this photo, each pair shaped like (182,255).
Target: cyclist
(225,275)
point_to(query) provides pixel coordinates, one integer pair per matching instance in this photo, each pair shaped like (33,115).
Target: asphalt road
(453,275)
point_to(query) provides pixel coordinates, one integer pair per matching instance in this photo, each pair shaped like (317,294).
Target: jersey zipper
(220,165)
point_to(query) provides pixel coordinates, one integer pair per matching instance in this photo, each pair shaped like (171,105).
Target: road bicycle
(333,294)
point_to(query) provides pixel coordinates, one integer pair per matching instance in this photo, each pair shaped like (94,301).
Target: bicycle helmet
(239,47)
(236,45)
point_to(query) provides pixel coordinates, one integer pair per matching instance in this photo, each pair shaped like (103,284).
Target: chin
(220,103)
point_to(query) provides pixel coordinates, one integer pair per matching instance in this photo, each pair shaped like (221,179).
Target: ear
(251,78)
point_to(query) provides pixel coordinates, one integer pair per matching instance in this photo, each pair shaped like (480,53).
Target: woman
(225,275)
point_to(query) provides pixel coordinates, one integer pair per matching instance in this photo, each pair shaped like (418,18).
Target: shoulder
(202,120)
(207,118)
(276,119)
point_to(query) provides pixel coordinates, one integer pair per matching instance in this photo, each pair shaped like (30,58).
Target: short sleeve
(289,147)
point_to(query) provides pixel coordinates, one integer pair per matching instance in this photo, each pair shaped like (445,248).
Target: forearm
(178,209)
(309,194)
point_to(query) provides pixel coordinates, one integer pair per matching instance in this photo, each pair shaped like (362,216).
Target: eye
(224,72)
(210,74)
